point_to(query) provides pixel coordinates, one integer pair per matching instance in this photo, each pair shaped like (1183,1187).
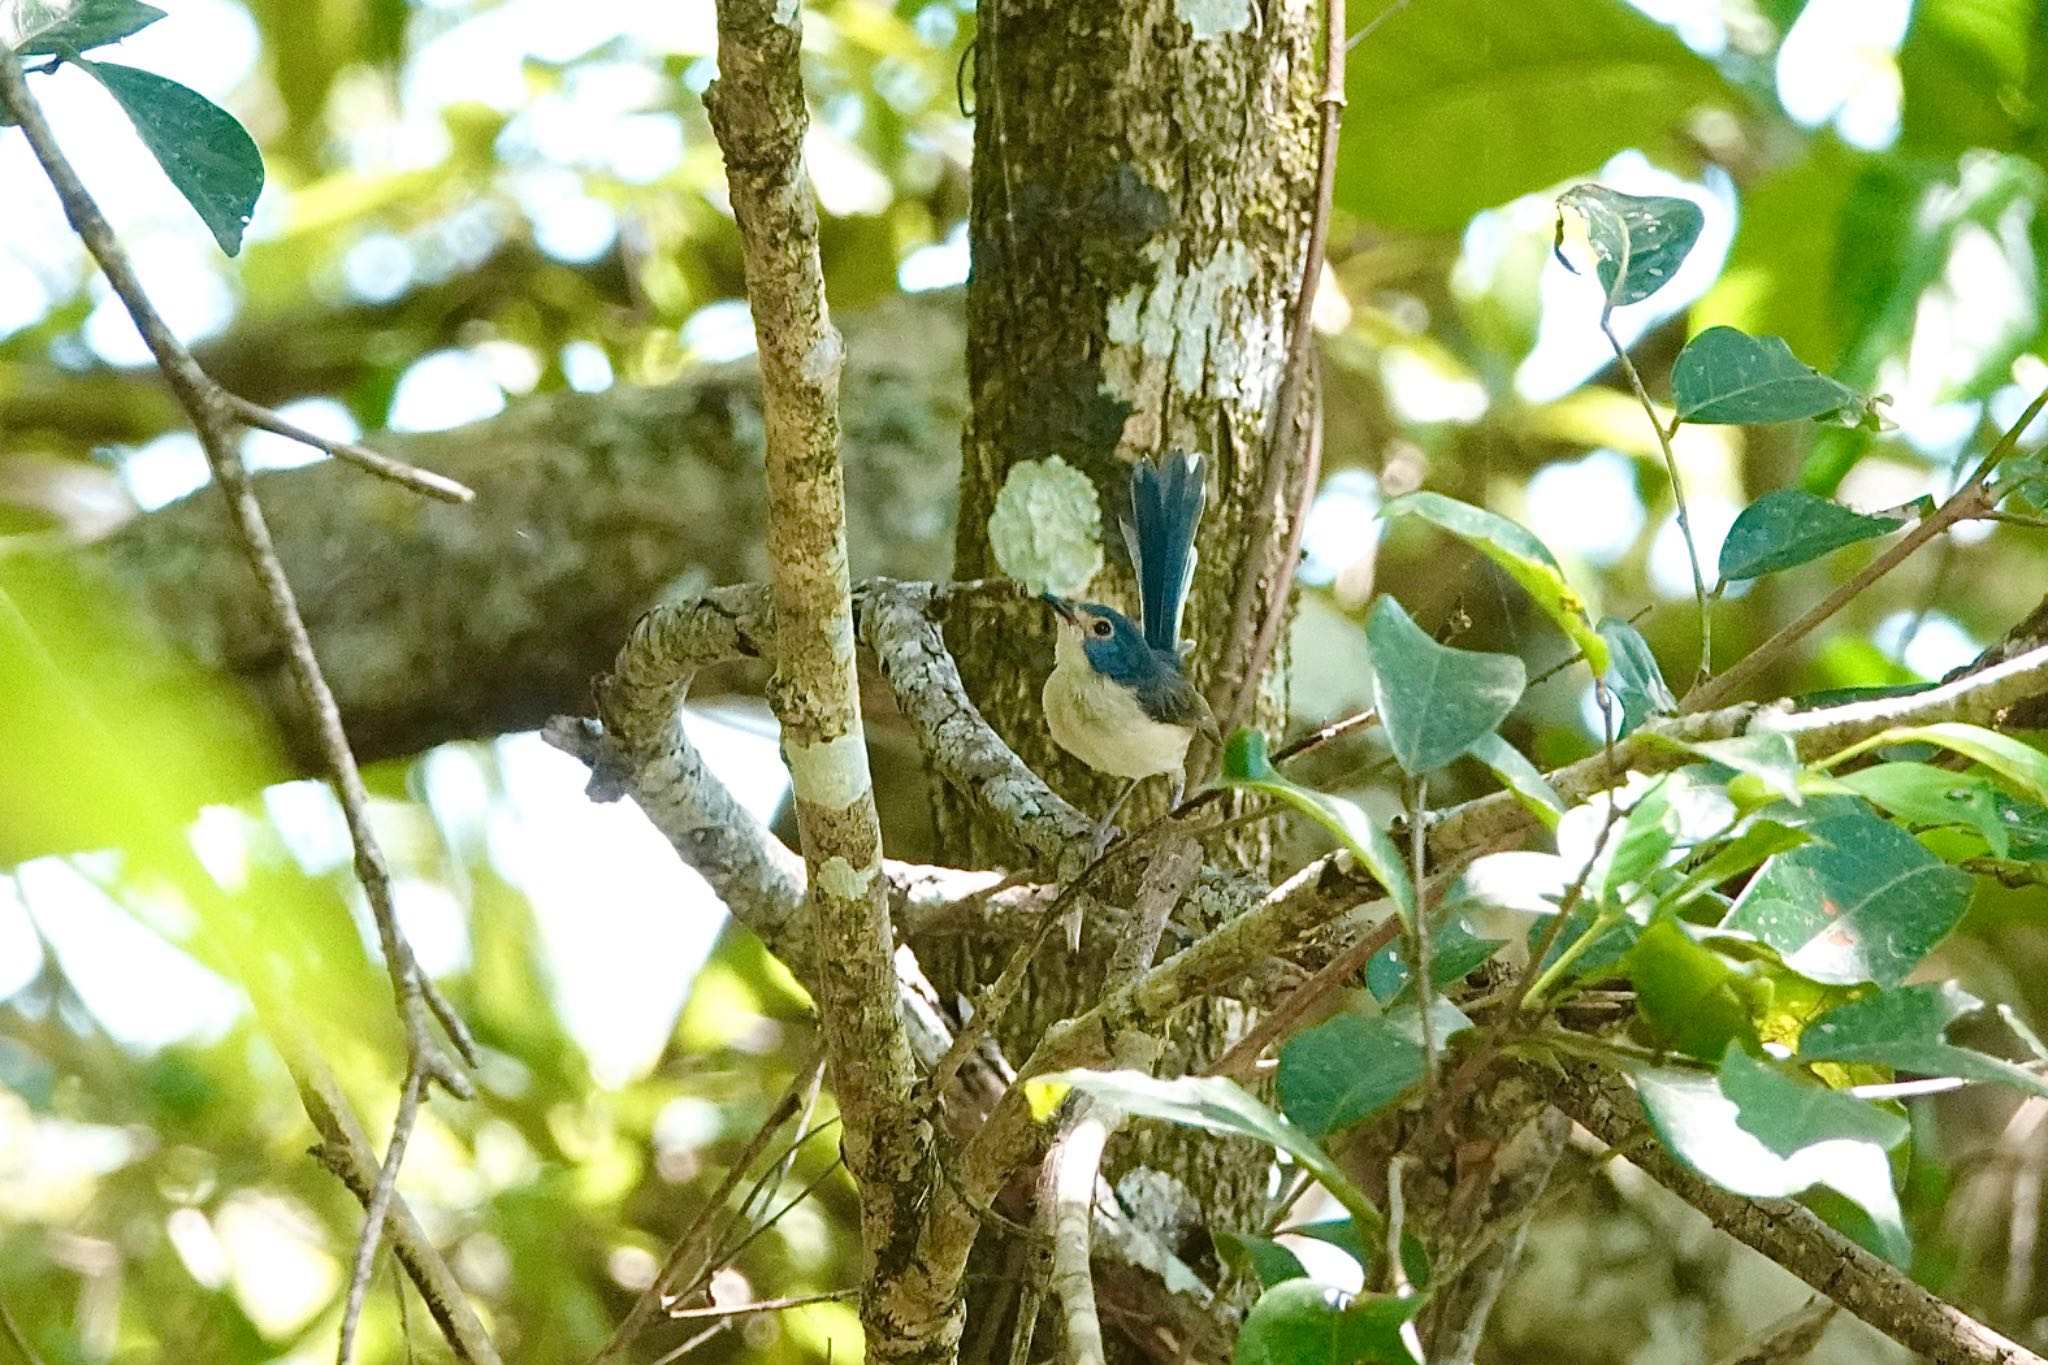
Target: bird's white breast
(1100,723)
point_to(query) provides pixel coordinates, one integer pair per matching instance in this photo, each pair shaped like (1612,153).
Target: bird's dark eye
(1103,630)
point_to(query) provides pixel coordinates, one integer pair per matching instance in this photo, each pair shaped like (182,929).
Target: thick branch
(1787,1232)
(758,114)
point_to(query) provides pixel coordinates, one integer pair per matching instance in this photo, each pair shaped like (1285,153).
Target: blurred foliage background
(474,205)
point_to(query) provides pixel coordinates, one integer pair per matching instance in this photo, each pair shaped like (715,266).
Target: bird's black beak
(1060,605)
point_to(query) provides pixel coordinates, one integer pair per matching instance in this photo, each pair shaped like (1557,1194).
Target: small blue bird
(1118,698)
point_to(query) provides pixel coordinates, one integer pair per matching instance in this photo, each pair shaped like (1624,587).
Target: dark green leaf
(1304,1323)
(1785,527)
(1435,701)
(1455,952)
(1788,1115)
(1693,1000)
(1701,1125)
(1865,901)
(209,157)
(1350,1067)
(1340,1233)
(1638,241)
(1520,555)
(1245,765)
(2018,763)
(1727,376)
(1635,679)
(1907,1029)
(1264,1259)
(85,25)
(1517,97)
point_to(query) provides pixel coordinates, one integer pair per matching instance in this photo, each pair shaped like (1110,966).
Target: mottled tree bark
(1144,173)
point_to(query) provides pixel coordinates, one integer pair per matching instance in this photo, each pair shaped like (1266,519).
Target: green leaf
(1760,839)
(1638,241)
(1786,527)
(1304,1323)
(85,25)
(1923,794)
(1435,702)
(1727,376)
(1963,73)
(1701,1125)
(1906,1029)
(1217,1104)
(2020,764)
(1640,846)
(1693,1000)
(1865,901)
(1260,1257)
(1340,1233)
(1519,776)
(1767,755)
(1516,97)
(1520,555)
(1788,1115)
(1350,1067)
(1246,766)
(1635,679)
(1454,953)
(209,157)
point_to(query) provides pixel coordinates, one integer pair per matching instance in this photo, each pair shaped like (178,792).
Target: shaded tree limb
(1785,1231)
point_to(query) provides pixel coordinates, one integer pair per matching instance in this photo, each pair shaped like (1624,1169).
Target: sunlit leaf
(1305,1323)
(1865,901)
(1787,527)
(84,25)
(1638,241)
(1246,766)
(208,155)
(1217,1104)
(1519,776)
(1435,702)
(1520,555)
(1634,677)
(2018,763)
(1702,1126)
(1922,794)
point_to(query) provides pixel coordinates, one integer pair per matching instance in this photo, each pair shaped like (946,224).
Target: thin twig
(734,1310)
(213,419)
(1245,1052)
(649,1305)
(380,1204)
(1692,551)
(1373,25)
(1067,1200)
(411,476)
(1242,661)
(1968,501)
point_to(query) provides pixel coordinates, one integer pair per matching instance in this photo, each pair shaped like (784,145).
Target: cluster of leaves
(1764,911)
(207,154)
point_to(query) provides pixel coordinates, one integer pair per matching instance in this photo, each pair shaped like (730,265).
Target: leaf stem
(1692,549)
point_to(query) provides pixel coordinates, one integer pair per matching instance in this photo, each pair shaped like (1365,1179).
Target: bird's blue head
(1105,641)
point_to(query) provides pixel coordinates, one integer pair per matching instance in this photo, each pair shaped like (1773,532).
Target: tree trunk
(1144,176)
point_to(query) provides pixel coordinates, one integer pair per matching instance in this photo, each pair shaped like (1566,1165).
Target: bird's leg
(1102,826)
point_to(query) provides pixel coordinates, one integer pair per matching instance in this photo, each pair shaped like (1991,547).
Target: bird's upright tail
(1166,506)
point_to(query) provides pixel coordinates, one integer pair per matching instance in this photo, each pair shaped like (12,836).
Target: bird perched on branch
(1118,698)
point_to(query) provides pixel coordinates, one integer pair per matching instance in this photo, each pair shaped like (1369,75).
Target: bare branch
(424,481)
(213,417)
(758,115)
(380,1204)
